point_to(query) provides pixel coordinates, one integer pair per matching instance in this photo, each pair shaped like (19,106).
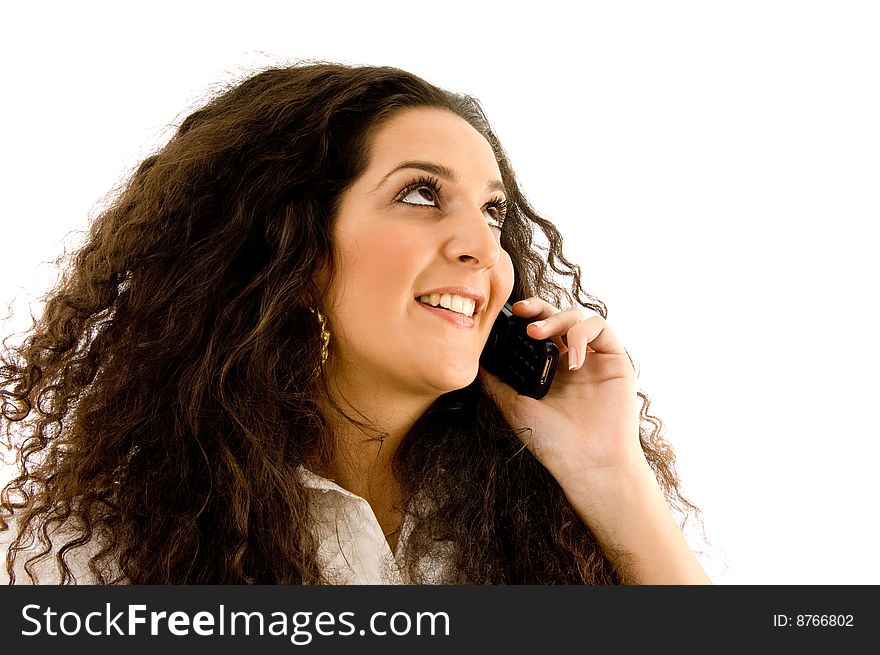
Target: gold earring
(325,336)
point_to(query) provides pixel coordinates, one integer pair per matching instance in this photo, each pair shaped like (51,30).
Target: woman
(263,366)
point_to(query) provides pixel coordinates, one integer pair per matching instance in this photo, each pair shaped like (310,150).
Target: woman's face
(420,274)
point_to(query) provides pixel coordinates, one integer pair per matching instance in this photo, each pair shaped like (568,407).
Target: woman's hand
(585,431)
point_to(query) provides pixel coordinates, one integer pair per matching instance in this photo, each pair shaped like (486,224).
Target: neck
(363,454)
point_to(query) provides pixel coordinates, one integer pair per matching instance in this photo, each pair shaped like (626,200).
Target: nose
(471,240)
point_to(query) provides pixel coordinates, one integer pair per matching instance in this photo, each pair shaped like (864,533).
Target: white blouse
(352,547)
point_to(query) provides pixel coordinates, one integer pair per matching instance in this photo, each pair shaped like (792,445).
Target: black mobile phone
(526,364)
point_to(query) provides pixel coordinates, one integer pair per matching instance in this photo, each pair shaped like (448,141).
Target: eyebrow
(439,170)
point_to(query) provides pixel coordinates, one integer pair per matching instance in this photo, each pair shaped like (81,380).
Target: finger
(600,337)
(591,335)
(557,324)
(583,333)
(534,307)
(538,308)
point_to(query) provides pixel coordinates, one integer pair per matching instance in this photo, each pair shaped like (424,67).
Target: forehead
(432,134)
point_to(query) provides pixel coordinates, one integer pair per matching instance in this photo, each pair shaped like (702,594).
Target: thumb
(502,393)
(514,407)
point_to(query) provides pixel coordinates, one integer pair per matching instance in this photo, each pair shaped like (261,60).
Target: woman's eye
(496,214)
(421,195)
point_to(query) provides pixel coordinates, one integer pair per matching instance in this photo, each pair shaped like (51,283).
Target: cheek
(502,285)
(505,276)
(373,263)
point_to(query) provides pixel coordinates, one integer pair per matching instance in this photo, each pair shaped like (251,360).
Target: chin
(455,380)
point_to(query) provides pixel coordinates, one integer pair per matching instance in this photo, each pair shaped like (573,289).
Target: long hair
(162,403)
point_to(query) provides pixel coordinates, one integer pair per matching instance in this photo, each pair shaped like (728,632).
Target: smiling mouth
(450,301)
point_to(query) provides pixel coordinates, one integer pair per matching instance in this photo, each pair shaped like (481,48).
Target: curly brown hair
(162,403)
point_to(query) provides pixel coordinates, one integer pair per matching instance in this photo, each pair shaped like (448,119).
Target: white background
(713,165)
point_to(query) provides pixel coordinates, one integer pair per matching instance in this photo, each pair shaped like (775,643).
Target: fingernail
(522,302)
(538,324)
(572,359)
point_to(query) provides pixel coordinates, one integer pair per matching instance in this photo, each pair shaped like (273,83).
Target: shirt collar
(314,481)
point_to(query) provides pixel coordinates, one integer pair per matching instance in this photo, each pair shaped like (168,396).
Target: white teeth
(452,302)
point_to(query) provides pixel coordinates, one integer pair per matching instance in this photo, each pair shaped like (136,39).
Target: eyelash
(498,203)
